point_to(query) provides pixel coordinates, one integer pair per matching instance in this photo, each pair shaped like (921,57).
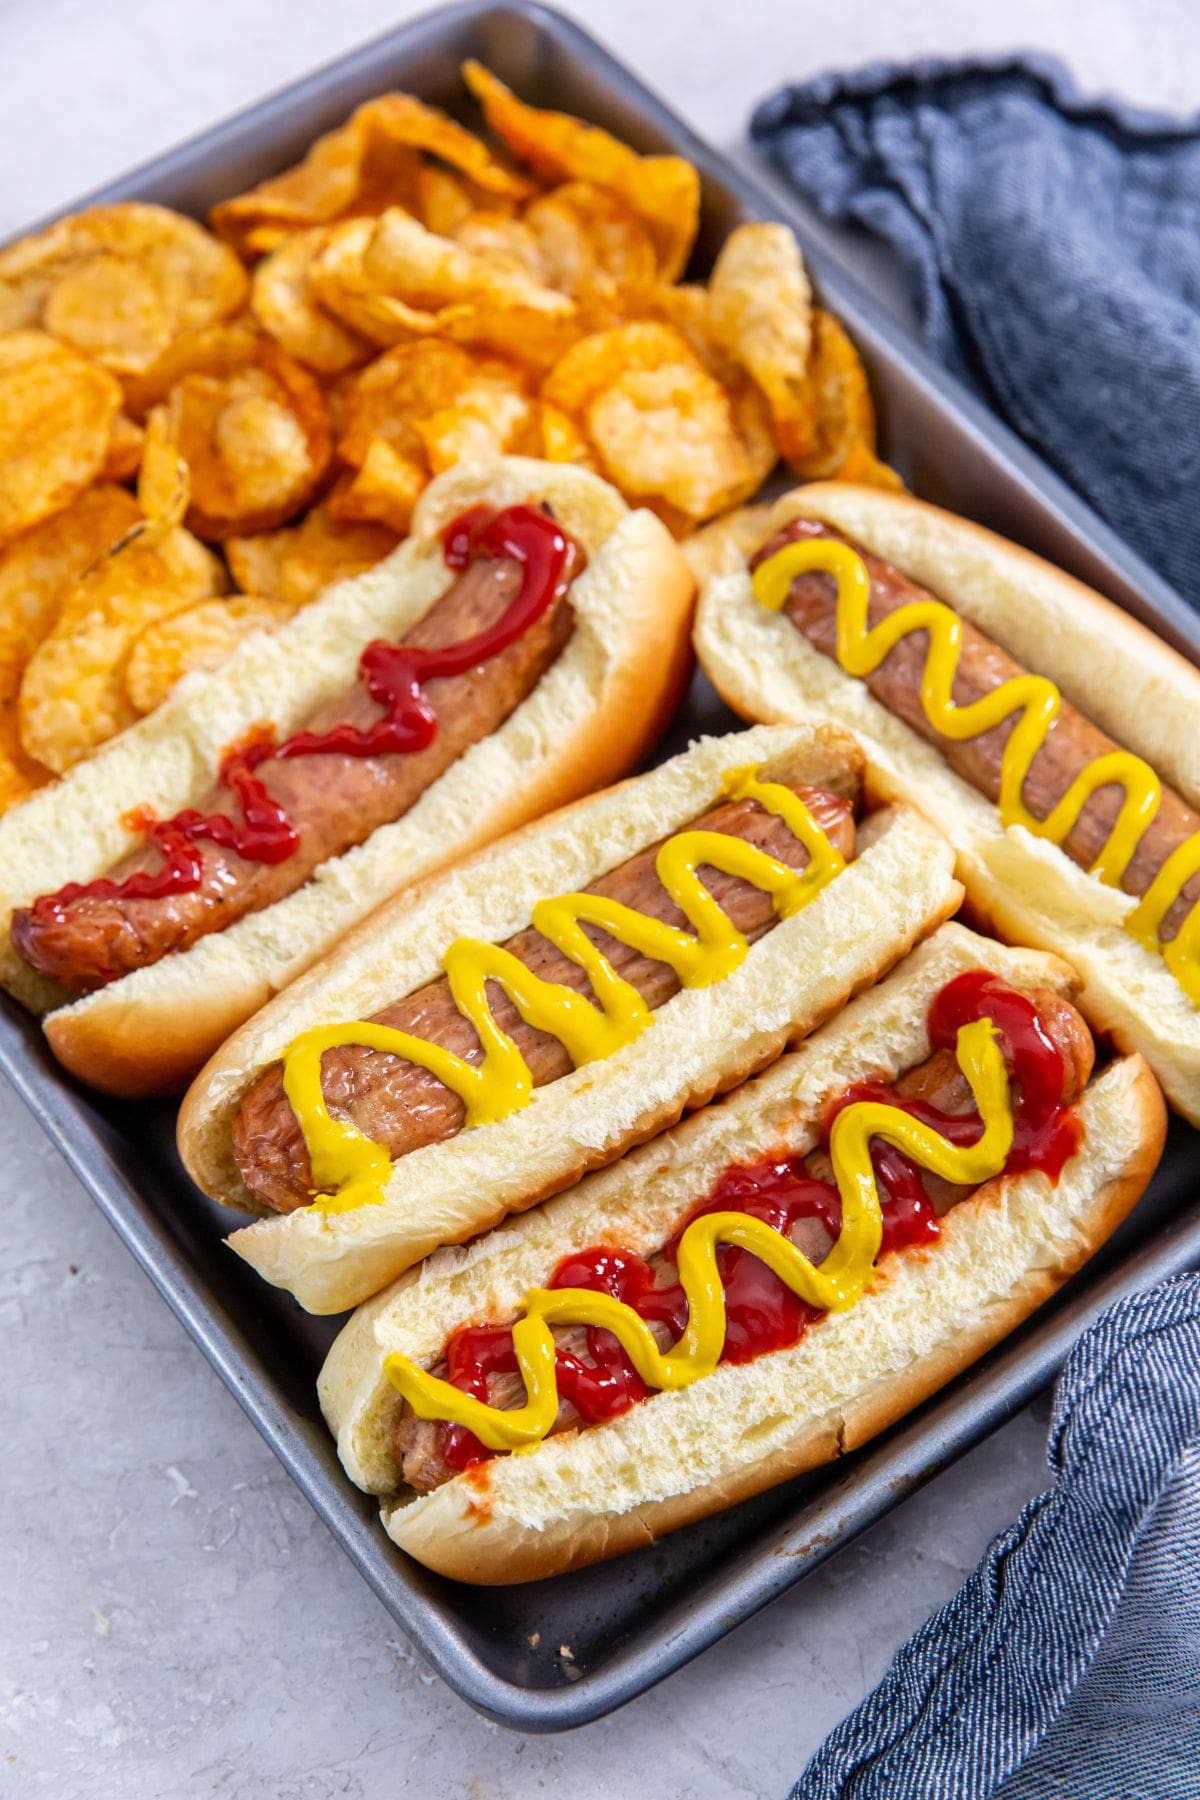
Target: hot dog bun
(1136,688)
(676,1457)
(593,714)
(703,1040)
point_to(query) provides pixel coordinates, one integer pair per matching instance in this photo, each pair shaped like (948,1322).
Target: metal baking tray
(556,1654)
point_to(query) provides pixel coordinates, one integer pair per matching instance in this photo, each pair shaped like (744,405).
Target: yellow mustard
(834,1286)
(862,647)
(355,1168)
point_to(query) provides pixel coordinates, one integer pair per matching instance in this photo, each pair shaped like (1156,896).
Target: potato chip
(861,465)
(299,562)
(443,202)
(257,442)
(73,695)
(664,429)
(200,638)
(498,237)
(20,776)
(589,245)
(404,384)
(562,439)
(488,420)
(43,565)
(374,161)
(392,281)
(119,282)
(663,191)
(37,572)
(845,417)
(429,404)
(382,491)
(164,480)
(760,312)
(284,305)
(124,450)
(211,350)
(596,361)
(57,413)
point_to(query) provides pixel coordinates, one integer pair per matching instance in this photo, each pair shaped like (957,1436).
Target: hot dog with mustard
(564,995)
(1048,734)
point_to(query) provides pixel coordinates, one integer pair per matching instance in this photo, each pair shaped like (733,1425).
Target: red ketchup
(393,675)
(762,1313)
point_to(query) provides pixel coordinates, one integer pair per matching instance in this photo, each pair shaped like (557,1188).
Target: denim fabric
(1069,1664)
(1053,251)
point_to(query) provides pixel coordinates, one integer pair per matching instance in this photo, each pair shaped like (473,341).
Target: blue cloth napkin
(1069,1663)
(1052,246)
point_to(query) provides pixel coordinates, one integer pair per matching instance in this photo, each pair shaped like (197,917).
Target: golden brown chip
(596,361)
(73,692)
(374,161)
(298,563)
(861,465)
(664,429)
(382,491)
(845,417)
(404,384)
(164,480)
(42,566)
(443,201)
(418,409)
(20,776)
(562,439)
(664,191)
(210,350)
(57,413)
(199,638)
(760,313)
(124,450)
(256,441)
(499,237)
(37,572)
(119,282)
(589,244)
(284,304)
(392,281)
(488,420)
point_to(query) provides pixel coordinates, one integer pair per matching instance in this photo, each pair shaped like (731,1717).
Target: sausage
(334,801)
(420,1443)
(404,1107)
(1071,743)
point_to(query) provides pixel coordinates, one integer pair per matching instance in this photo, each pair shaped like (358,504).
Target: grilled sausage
(334,801)
(404,1107)
(938,1081)
(1071,743)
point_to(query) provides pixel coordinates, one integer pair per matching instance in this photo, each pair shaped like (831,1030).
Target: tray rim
(981,1399)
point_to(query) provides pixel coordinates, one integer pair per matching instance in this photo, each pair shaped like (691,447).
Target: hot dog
(522,645)
(564,995)
(853,1281)
(1047,733)
(406,1107)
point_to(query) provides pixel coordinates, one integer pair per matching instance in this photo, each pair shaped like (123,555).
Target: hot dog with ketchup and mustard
(760,1289)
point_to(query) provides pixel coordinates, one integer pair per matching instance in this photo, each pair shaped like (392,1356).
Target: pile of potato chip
(200,430)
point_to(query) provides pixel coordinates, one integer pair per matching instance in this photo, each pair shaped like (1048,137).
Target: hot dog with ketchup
(760,1289)
(564,995)
(1048,734)
(524,644)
